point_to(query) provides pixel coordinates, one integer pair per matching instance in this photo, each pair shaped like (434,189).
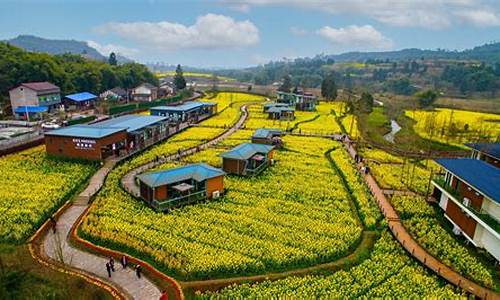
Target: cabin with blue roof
(176,187)
(281,113)
(116,136)
(190,111)
(268,137)
(80,101)
(468,191)
(247,159)
(267,106)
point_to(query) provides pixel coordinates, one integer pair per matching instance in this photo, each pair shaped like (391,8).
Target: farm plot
(325,123)
(388,273)
(421,221)
(32,187)
(285,218)
(456,127)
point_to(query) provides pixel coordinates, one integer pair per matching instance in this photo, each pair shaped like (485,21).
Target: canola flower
(32,187)
(420,219)
(456,127)
(388,273)
(284,218)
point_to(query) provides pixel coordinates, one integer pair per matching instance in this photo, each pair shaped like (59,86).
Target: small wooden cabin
(281,113)
(268,137)
(247,159)
(180,186)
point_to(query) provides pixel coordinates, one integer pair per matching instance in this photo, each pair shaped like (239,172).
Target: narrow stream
(395,128)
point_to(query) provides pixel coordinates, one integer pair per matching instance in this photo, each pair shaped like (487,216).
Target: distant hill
(38,44)
(489,53)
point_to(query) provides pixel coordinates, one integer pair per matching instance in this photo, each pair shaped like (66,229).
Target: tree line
(72,73)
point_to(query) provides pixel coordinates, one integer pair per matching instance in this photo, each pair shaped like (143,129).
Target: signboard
(84,144)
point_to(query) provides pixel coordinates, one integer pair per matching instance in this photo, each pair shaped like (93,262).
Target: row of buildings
(166,189)
(30,99)
(124,134)
(468,192)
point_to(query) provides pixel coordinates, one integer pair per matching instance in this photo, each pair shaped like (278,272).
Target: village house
(191,111)
(101,140)
(33,98)
(80,101)
(171,188)
(247,159)
(114,94)
(300,100)
(145,92)
(468,191)
(268,137)
(489,152)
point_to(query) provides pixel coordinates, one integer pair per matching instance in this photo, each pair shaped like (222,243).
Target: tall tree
(286,85)
(365,103)
(112,59)
(179,80)
(426,98)
(329,87)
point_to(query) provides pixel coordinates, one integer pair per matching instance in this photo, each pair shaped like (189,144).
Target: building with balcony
(468,191)
(34,97)
(247,159)
(268,137)
(191,111)
(172,188)
(300,100)
(489,152)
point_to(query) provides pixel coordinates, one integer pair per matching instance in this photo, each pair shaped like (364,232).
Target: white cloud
(108,48)
(298,31)
(356,37)
(434,14)
(210,31)
(481,18)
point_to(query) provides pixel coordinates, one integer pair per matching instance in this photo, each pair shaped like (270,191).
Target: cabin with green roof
(247,159)
(268,137)
(176,187)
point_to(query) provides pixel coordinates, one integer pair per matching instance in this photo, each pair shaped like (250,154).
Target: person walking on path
(138,271)
(54,224)
(108,268)
(124,261)
(164,295)
(112,263)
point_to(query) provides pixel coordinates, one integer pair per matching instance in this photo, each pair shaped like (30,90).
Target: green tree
(365,103)
(112,59)
(179,80)
(426,98)
(286,85)
(329,87)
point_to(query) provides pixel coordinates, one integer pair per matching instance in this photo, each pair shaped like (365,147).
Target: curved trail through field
(55,248)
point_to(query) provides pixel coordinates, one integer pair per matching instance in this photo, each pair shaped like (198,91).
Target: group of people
(110,266)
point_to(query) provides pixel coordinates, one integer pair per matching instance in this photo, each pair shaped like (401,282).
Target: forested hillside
(72,73)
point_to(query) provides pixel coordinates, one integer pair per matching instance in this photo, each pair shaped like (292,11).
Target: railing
(258,170)
(486,218)
(178,201)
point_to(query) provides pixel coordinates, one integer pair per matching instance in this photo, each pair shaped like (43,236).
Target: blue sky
(235,33)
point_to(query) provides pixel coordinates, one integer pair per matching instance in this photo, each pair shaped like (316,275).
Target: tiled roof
(130,122)
(40,86)
(264,133)
(85,131)
(246,150)
(492,149)
(198,172)
(481,175)
(187,106)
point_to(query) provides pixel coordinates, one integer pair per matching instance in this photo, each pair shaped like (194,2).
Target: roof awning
(183,187)
(258,157)
(30,109)
(80,97)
